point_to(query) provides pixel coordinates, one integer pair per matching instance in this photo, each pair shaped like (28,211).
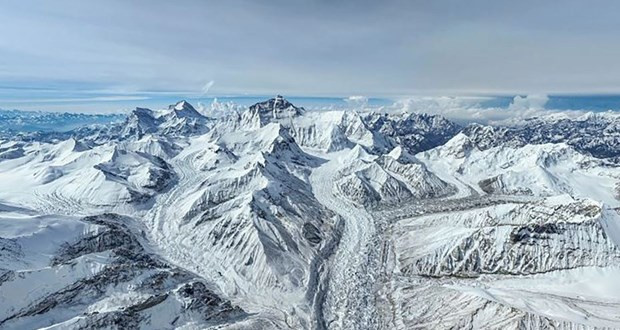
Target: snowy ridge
(179,120)
(273,110)
(102,276)
(389,179)
(465,253)
(67,174)
(596,134)
(14,121)
(535,170)
(276,217)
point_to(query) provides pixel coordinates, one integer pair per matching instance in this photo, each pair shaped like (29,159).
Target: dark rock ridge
(597,135)
(184,297)
(413,131)
(274,109)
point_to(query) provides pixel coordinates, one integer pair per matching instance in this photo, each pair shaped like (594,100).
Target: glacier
(274,216)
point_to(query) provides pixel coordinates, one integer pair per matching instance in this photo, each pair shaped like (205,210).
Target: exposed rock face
(143,175)
(141,121)
(272,110)
(414,132)
(389,179)
(596,134)
(478,261)
(113,270)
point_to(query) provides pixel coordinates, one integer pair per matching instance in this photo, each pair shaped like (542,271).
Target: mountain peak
(142,112)
(184,109)
(279,107)
(182,105)
(273,110)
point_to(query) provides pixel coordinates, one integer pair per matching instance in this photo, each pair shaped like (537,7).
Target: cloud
(470,109)
(357,101)
(219,109)
(207,87)
(528,102)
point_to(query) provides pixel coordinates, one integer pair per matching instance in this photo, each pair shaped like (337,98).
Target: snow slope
(536,170)
(276,217)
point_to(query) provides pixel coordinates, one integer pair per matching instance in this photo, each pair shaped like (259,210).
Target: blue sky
(106,55)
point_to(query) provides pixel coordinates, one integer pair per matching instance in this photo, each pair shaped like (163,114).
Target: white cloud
(219,109)
(468,109)
(528,102)
(357,101)
(207,87)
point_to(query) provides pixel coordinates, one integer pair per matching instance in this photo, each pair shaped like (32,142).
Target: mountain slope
(596,134)
(101,276)
(278,217)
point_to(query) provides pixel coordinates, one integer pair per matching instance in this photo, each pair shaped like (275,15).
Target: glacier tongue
(279,217)
(349,302)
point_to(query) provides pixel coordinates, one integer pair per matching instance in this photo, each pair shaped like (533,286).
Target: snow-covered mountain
(14,121)
(277,217)
(596,134)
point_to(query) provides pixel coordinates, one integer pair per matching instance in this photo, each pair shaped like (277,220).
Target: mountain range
(275,217)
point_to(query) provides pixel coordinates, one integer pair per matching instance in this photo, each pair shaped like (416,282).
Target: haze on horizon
(81,53)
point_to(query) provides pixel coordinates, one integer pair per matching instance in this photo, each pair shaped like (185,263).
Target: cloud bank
(469,109)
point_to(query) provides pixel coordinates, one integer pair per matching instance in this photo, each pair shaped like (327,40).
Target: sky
(67,54)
